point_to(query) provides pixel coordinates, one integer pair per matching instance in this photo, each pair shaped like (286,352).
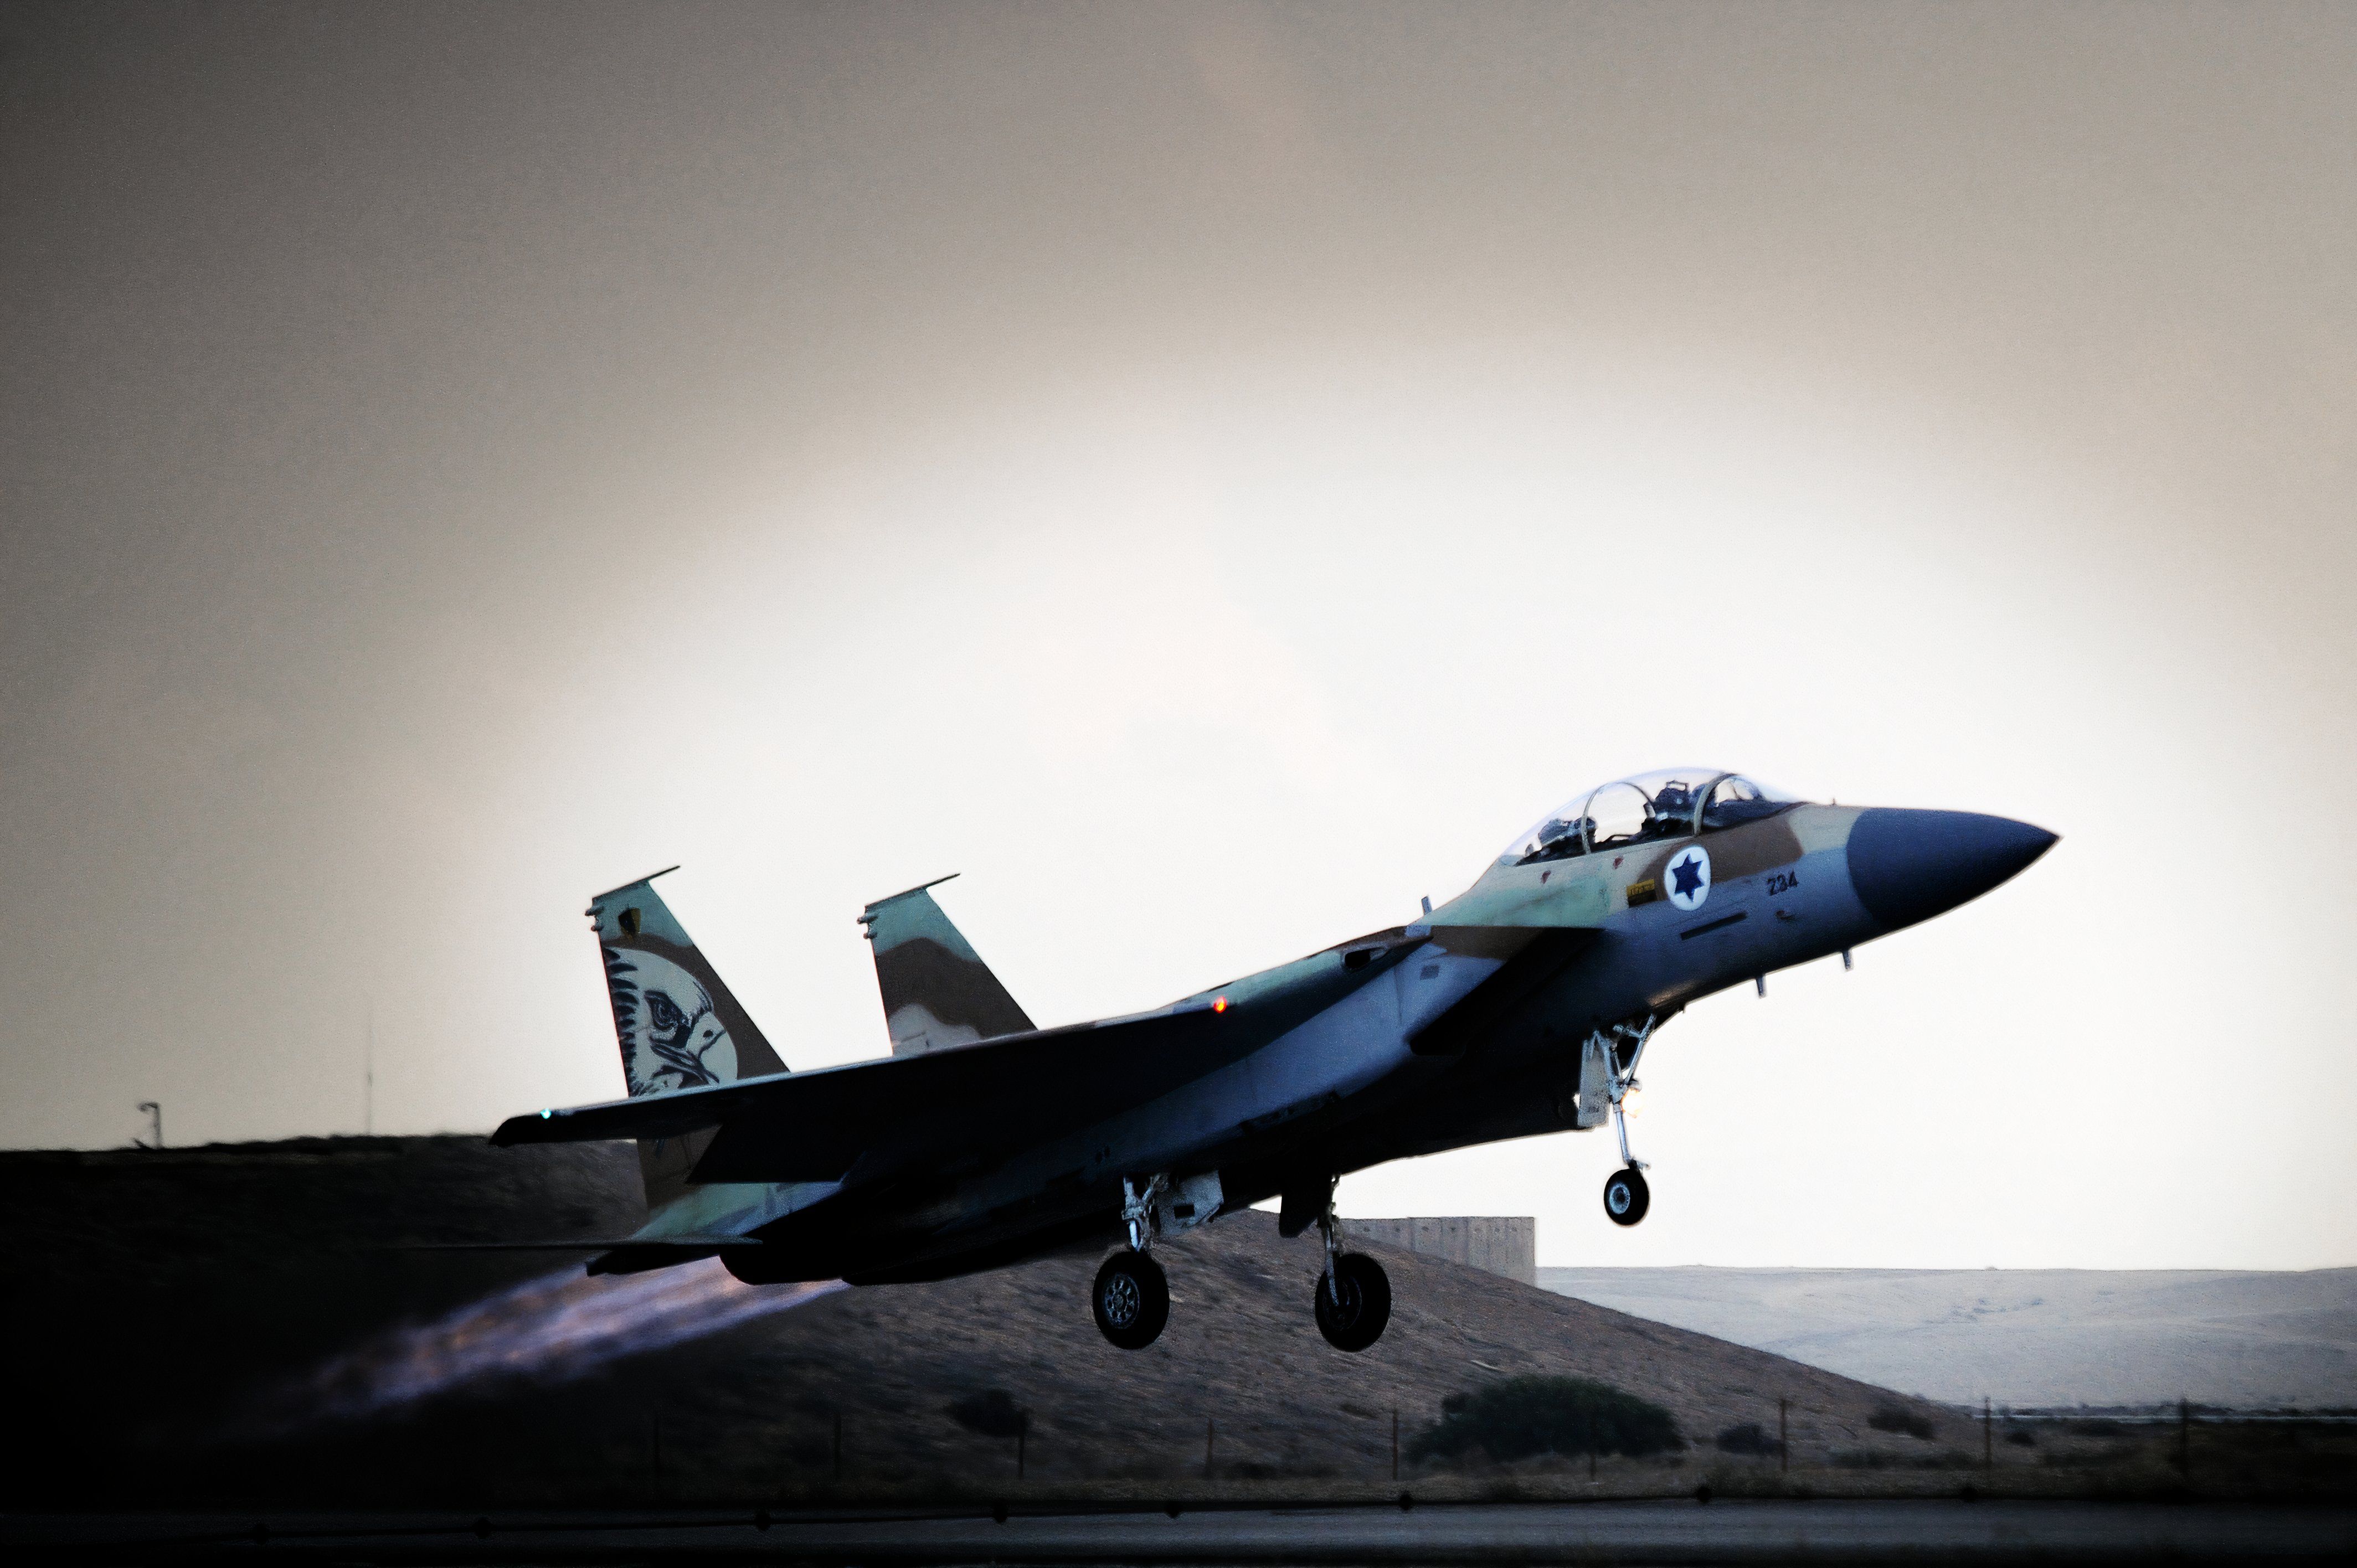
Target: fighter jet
(1521,1006)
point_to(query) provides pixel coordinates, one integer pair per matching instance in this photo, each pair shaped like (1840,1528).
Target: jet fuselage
(1463,1029)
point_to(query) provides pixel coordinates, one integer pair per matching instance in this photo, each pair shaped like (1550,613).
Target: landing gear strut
(1137,1211)
(1354,1295)
(1625,1196)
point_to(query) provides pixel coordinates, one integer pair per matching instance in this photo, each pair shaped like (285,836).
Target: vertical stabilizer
(675,1019)
(678,1024)
(937,991)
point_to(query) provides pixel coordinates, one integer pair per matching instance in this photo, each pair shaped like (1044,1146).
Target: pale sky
(1210,475)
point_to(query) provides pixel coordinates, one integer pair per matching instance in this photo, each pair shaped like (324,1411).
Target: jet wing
(815,1125)
(973,1102)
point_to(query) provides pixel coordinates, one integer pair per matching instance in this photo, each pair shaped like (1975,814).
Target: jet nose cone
(1910,866)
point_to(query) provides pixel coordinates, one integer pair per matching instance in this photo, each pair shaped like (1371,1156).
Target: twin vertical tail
(679,1027)
(678,1024)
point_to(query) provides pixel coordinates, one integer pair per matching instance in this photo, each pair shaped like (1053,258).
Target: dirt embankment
(175,1290)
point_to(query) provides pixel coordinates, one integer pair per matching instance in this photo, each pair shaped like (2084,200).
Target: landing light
(546,1114)
(1629,1106)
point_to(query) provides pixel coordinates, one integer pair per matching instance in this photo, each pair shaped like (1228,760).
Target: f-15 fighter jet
(1521,1006)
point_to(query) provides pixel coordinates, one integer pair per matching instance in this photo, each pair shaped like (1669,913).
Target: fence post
(1211,1430)
(1394,1442)
(838,1447)
(1022,1431)
(1989,1439)
(1784,1436)
(2185,1440)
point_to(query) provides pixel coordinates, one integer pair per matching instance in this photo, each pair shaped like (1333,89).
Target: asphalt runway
(1637,1532)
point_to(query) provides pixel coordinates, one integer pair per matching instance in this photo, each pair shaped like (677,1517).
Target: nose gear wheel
(1625,1196)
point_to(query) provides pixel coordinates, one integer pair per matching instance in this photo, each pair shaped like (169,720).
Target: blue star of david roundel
(1689,877)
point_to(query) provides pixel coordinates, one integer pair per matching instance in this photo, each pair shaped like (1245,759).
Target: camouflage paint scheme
(937,991)
(983,1141)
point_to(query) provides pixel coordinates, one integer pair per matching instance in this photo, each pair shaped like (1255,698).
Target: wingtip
(523,1129)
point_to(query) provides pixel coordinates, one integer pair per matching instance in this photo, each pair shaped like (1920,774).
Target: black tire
(1625,1197)
(1131,1300)
(1357,1320)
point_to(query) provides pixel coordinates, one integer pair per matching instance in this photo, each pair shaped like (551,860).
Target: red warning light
(1219,1004)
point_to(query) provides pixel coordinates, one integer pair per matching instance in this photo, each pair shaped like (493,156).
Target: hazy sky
(1210,475)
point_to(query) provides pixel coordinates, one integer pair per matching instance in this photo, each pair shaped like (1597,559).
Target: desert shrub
(1897,1418)
(2098,1427)
(2022,1437)
(993,1412)
(1945,1459)
(1517,1418)
(1749,1438)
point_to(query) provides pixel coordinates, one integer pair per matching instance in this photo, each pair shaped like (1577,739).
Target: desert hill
(2026,1337)
(230,1321)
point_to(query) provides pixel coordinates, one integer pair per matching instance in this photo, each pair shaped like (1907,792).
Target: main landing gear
(1352,1301)
(1625,1196)
(1354,1295)
(1131,1297)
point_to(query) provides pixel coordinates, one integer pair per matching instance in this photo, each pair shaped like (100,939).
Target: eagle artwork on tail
(671,1036)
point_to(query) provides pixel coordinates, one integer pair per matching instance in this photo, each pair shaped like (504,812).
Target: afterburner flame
(559,1326)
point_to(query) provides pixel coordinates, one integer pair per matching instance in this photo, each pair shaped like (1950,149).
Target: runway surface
(1640,1532)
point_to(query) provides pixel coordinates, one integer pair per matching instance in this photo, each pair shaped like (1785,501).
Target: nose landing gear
(1625,1196)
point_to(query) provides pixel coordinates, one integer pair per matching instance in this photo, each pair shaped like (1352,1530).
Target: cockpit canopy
(1670,803)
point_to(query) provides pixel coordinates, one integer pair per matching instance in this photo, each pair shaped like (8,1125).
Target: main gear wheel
(1131,1300)
(1354,1302)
